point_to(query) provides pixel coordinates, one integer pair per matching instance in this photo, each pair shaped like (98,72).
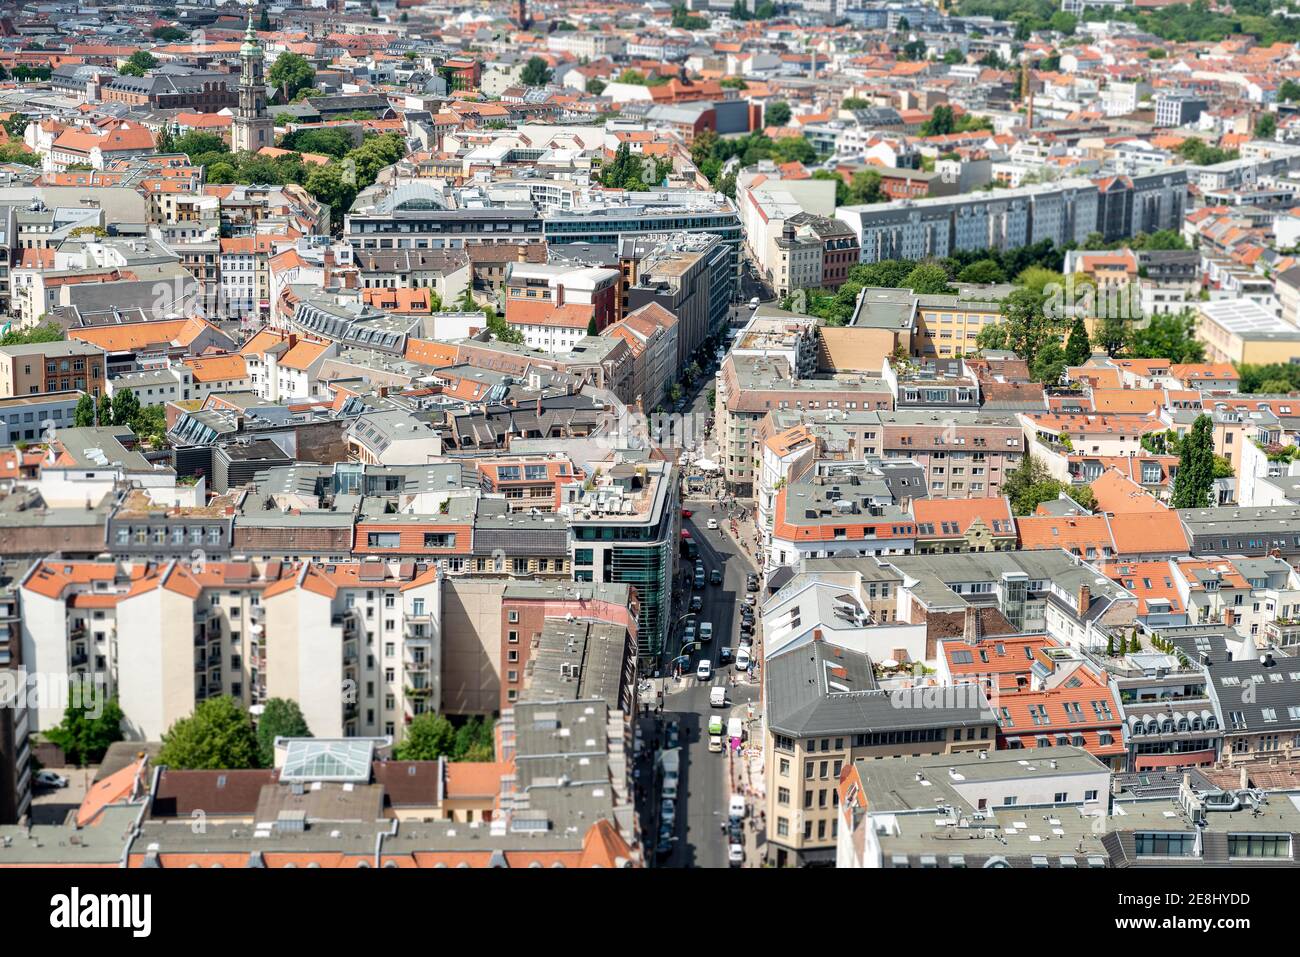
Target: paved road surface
(705,789)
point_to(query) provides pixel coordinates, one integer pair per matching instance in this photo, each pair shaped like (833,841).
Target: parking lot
(52,805)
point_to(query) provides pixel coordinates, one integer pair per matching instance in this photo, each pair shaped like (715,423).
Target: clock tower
(252,128)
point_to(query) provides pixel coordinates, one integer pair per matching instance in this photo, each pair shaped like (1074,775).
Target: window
(1061,797)
(1259,845)
(439,539)
(783,796)
(783,827)
(384,539)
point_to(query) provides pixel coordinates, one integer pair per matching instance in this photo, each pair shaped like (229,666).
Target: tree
(854,103)
(1269,387)
(138,63)
(1288,91)
(1077,347)
(982,271)
(84,414)
(105,410)
(1195,478)
(953,57)
(169,34)
(290,73)
(16,124)
(83,737)
(777,114)
(264,21)
(280,718)
(1266,128)
(1063,22)
(940,122)
(428,737)
(474,741)
(591,327)
(1112,334)
(1168,336)
(1048,363)
(126,406)
(928,279)
(596,87)
(865,187)
(913,50)
(535,72)
(841,187)
(219,736)
(45,332)
(1027,324)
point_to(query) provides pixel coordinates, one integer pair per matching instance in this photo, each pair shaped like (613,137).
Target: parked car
(747,626)
(742,659)
(50,780)
(704,671)
(713,523)
(735,854)
(699,578)
(724,656)
(687,513)
(697,602)
(715,576)
(753,303)
(673,737)
(751,583)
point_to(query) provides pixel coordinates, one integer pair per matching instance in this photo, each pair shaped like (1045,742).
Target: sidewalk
(745,774)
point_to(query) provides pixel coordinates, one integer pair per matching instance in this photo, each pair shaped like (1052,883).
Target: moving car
(705,670)
(715,742)
(753,303)
(717,697)
(50,780)
(706,631)
(724,656)
(687,513)
(713,523)
(699,578)
(751,583)
(715,724)
(697,602)
(673,738)
(667,812)
(715,576)
(689,634)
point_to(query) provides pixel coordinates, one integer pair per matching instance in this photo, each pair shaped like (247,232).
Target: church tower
(252,128)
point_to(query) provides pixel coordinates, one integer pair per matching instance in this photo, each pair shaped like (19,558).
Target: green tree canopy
(928,279)
(83,737)
(126,406)
(138,63)
(1195,479)
(777,114)
(280,718)
(290,73)
(218,736)
(428,737)
(982,271)
(535,72)
(1168,336)
(1078,348)
(84,414)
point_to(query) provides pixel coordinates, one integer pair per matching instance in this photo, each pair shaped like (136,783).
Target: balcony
(422,692)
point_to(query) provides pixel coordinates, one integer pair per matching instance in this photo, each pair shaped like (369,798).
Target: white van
(742,657)
(706,631)
(736,809)
(717,697)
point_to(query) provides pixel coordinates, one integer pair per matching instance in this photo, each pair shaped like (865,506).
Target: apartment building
(919,811)
(62,366)
(824,710)
(624,529)
(963,454)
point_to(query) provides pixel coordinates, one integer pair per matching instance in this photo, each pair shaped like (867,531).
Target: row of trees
(710,153)
(336,183)
(149,423)
(626,171)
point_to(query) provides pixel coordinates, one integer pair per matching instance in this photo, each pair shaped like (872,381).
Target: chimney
(293,340)
(971,625)
(1229,617)
(1243,781)
(1085,599)
(817,634)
